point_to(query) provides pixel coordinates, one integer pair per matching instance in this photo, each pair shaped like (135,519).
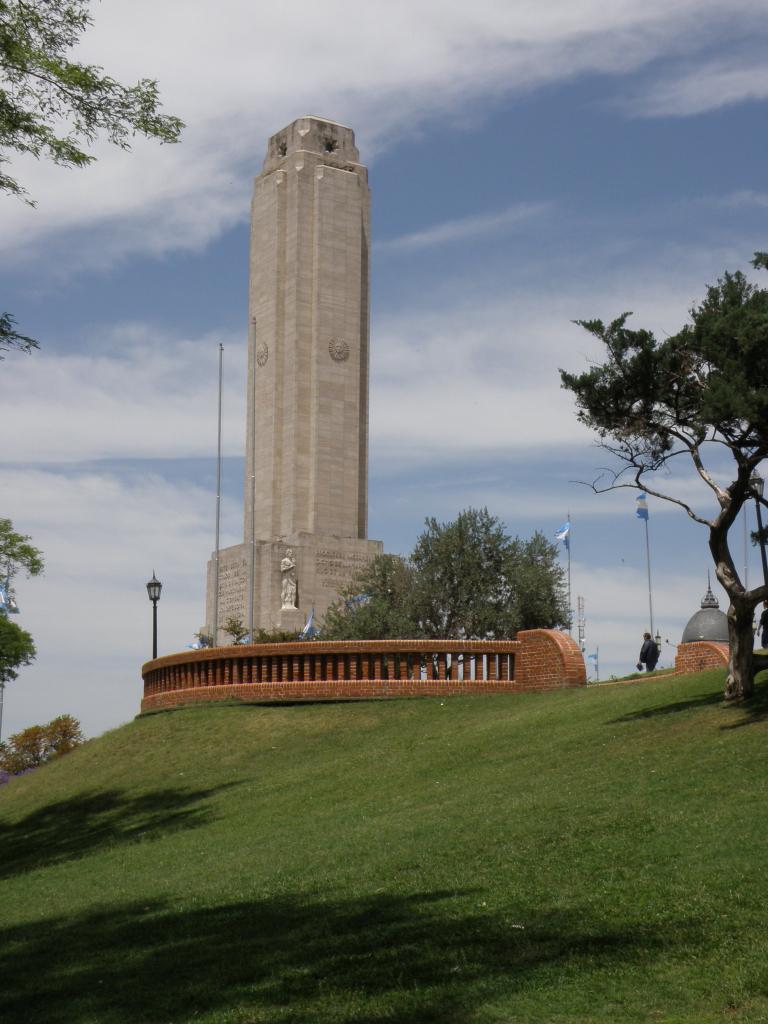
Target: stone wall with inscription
(335,567)
(324,567)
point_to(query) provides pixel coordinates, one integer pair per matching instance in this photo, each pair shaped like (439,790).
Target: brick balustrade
(540,659)
(700,654)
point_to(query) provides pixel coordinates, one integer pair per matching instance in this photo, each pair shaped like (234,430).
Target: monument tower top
(334,142)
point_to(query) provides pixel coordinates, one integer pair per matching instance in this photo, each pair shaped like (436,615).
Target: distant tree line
(40,743)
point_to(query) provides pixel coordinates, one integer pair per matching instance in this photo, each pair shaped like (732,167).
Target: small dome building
(707,624)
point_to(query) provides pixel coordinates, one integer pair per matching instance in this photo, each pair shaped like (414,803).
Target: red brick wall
(543,660)
(702,654)
(549,659)
(339,689)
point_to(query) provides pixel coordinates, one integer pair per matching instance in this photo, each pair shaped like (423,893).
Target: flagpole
(218,511)
(568,545)
(252,553)
(648,560)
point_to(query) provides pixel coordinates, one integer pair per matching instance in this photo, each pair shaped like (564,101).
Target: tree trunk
(740,682)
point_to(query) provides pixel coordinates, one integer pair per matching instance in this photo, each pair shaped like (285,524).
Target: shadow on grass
(747,712)
(404,959)
(691,704)
(71,828)
(755,709)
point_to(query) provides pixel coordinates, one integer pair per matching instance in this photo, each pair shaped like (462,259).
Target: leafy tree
(17,649)
(40,743)
(465,579)
(235,629)
(474,581)
(273,636)
(378,604)
(17,555)
(54,107)
(701,394)
(10,337)
(538,586)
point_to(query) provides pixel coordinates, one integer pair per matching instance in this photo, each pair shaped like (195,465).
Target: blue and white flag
(642,506)
(309,629)
(564,533)
(593,656)
(198,645)
(3,599)
(357,600)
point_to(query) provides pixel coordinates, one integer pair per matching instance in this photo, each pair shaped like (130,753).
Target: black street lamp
(756,485)
(153,589)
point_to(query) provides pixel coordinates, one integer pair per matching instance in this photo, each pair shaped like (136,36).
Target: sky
(531,164)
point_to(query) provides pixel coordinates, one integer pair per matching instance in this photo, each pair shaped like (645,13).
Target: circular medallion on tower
(262,354)
(339,350)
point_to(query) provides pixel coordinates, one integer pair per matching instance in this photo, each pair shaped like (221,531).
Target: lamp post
(756,485)
(153,590)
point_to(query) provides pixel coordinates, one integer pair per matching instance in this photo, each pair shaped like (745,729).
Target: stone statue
(288,586)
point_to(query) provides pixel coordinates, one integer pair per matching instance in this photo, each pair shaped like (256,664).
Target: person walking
(763,626)
(649,653)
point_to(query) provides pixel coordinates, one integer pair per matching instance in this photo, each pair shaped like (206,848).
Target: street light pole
(757,484)
(154,588)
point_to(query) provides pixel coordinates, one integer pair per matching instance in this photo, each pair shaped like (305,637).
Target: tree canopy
(52,106)
(40,743)
(466,578)
(17,554)
(17,649)
(700,395)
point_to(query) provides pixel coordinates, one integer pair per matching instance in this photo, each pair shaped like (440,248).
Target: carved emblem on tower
(262,354)
(339,350)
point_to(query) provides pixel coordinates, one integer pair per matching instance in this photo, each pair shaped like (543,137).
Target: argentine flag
(563,533)
(309,629)
(3,599)
(642,506)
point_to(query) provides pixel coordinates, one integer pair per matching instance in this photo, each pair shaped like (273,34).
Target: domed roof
(709,623)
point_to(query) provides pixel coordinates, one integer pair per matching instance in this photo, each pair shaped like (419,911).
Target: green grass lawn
(583,856)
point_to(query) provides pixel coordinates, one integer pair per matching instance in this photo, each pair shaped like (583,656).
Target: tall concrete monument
(306,464)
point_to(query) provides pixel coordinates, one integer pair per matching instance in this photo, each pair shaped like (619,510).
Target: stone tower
(306,476)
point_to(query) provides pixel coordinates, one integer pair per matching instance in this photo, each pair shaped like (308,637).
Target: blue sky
(530,164)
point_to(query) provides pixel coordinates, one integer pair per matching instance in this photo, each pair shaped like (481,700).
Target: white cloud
(237,74)
(464,374)
(746,198)
(141,394)
(467,228)
(702,87)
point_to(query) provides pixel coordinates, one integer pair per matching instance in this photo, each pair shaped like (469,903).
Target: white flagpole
(218,511)
(570,611)
(648,560)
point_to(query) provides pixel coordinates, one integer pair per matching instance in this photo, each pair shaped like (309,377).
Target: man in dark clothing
(649,653)
(763,627)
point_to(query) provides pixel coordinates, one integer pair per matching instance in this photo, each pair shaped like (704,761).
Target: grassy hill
(582,856)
